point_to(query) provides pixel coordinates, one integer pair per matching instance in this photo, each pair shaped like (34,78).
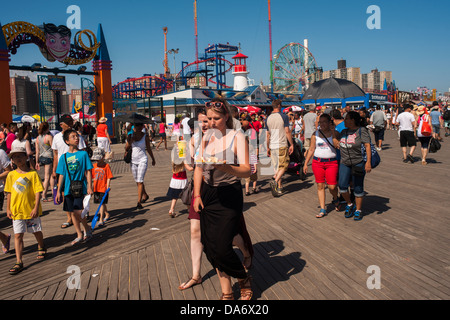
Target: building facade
(24,95)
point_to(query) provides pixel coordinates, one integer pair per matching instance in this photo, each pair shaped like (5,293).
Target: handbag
(375,158)
(425,129)
(435,145)
(128,153)
(186,194)
(75,187)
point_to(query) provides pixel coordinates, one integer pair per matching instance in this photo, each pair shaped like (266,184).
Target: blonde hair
(178,167)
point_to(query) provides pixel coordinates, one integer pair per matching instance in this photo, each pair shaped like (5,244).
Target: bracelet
(195,197)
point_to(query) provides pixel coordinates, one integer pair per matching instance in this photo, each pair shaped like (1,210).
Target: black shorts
(98,196)
(407,139)
(71,203)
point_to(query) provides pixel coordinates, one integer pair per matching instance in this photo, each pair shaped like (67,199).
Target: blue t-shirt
(77,163)
(340,127)
(435,116)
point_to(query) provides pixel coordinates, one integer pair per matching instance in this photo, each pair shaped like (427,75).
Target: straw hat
(102,120)
(17,149)
(421,110)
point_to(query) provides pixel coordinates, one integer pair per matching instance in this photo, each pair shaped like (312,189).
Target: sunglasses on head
(216,105)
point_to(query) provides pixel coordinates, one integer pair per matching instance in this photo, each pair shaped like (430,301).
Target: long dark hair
(355,116)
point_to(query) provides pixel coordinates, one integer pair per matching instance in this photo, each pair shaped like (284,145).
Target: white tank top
(323,149)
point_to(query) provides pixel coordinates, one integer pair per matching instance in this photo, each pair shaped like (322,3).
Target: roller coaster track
(150,85)
(204,62)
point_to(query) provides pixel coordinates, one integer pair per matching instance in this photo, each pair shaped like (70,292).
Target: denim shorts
(345,176)
(436,128)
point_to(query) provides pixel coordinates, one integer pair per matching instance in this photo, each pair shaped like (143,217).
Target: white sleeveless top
(138,155)
(323,149)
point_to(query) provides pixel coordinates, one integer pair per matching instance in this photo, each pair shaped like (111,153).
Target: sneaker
(358,215)
(405,160)
(349,210)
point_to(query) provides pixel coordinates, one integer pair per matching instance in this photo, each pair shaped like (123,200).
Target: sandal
(46,200)
(42,252)
(18,267)
(76,241)
(5,247)
(185,286)
(322,213)
(246,288)
(227,296)
(337,204)
(172,214)
(256,190)
(66,225)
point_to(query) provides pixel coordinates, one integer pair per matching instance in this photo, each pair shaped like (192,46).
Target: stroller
(297,160)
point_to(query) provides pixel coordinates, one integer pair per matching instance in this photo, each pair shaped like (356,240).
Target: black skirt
(220,221)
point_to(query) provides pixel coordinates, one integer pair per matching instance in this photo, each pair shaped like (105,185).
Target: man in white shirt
(60,147)
(186,128)
(407,129)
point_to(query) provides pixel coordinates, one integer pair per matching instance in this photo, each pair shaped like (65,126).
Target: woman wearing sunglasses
(219,200)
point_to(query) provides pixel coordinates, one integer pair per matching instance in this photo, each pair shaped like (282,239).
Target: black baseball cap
(66,118)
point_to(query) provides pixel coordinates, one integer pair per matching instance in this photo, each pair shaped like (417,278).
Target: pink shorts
(326,172)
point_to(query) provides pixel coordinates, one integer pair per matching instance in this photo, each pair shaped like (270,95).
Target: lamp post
(174,52)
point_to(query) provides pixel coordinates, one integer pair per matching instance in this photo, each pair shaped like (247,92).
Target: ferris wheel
(293,68)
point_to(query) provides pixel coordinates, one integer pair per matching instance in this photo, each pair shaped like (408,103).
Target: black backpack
(446,115)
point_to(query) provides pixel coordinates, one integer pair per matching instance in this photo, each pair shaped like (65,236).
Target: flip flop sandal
(185,286)
(76,241)
(322,213)
(337,204)
(18,267)
(66,225)
(5,247)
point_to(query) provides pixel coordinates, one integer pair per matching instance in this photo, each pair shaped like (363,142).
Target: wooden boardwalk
(145,255)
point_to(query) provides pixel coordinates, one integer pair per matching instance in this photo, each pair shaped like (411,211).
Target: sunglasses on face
(216,105)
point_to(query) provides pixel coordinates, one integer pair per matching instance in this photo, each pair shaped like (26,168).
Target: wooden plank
(134,277)
(124,278)
(144,287)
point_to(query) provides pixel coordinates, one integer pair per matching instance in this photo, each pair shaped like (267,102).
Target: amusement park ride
(291,68)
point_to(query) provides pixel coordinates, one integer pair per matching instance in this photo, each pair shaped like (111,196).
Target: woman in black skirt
(219,200)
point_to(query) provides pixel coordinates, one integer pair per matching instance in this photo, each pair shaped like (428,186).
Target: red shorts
(326,172)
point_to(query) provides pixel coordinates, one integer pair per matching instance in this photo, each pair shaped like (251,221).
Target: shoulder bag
(128,153)
(75,187)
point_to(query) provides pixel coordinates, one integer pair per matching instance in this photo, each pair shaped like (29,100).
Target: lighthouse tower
(240,72)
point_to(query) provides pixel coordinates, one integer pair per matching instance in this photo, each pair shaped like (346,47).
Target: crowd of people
(223,147)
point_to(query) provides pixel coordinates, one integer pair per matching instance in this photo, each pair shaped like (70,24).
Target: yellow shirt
(23,188)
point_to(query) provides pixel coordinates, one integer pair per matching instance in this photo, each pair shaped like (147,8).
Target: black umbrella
(333,88)
(134,118)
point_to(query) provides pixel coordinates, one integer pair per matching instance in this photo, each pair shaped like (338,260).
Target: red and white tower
(240,72)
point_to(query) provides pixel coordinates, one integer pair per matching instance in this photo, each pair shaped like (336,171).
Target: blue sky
(413,41)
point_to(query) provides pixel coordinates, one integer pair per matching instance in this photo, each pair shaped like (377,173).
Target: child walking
(74,167)
(23,189)
(177,183)
(101,175)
